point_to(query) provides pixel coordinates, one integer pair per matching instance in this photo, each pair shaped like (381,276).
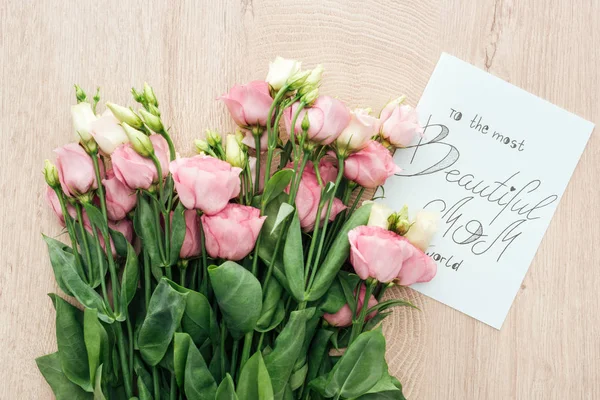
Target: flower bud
(154,110)
(399,222)
(234,154)
(305,123)
(137,96)
(213,138)
(83,116)
(152,121)
(280,70)
(149,94)
(51,174)
(125,115)
(202,146)
(139,141)
(297,80)
(314,79)
(311,96)
(80,94)
(379,215)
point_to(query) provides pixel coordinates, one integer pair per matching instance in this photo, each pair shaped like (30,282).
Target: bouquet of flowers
(248,271)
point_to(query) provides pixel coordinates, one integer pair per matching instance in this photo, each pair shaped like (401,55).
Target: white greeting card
(494,160)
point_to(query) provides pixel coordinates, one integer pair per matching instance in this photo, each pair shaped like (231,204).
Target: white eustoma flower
(379,215)
(280,70)
(108,132)
(422,230)
(83,116)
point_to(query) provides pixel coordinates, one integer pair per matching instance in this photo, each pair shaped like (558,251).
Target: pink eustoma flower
(343,317)
(419,267)
(309,195)
(328,117)
(249,107)
(399,124)
(378,253)
(205,183)
(136,171)
(75,170)
(231,234)
(371,166)
(120,199)
(193,238)
(54,203)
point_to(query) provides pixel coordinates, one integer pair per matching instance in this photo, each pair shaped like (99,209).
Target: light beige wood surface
(191,52)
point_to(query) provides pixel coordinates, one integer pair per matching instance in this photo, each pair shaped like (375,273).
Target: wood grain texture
(549,347)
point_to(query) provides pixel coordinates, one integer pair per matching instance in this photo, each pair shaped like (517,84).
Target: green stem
(86,249)
(246,349)
(104,230)
(100,255)
(271,130)
(358,322)
(71,230)
(123,359)
(257,146)
(130,343)
(296,182)
(173,394)
(315,235)
(156,162)
(161,245)
(293,133)
(222,347)
(205,282)
(234,355)
(182,273)
(167,137)
(326,221)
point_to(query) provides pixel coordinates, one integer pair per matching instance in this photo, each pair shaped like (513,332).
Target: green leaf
(177,233)
(273,310)
(119,241)
(129,280)
(288,345)
(387,388)
(96,217)
(337,255)
(269,236)
(334,299)
(386,305)
(60,256)
(68,279)
(143,375)
(197,380)
(180,351)
(50,367)
(199,320)
(318,350)
(239,295)
(254,382)
(146,229)
(144,391)
(373,322)
(293,259)
(164,314)
(98,395)
(358,370)
(298,377)
(71,344)
(96,342)
(349,283)
(98,261)
(276,185)
(226,390)
(285,210)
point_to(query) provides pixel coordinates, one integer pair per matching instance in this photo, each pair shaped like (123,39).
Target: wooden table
(191,52)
